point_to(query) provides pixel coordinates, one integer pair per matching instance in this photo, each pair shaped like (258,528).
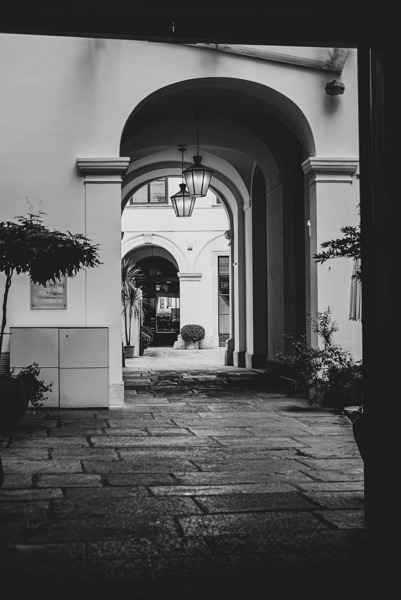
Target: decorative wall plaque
(53,295)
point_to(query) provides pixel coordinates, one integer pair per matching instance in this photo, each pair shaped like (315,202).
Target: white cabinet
(83,348)
(74,359)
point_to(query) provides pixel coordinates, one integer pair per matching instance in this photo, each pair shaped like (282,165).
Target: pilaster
(102,197)
(333,204)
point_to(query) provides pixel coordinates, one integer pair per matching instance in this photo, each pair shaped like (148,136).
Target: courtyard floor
(209,484)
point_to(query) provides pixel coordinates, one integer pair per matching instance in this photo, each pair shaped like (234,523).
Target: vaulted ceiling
(287,22)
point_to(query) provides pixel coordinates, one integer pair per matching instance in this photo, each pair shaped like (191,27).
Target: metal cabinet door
(34,344)
(83,347)
(84,388)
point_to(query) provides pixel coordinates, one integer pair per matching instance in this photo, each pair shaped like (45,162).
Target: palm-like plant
(131,295)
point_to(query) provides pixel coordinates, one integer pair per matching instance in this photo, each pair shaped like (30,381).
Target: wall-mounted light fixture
(183,202)
(335,88)
(197,177)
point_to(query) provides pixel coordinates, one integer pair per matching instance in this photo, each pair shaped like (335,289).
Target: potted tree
(28,247)
(132,300)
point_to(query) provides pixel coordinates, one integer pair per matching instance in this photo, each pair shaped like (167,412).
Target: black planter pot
(358,429)
(1,473)
(14,401)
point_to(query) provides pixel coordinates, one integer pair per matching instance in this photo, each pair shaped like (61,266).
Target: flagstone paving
(209,484)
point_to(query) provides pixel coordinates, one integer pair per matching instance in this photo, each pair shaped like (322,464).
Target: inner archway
(161,292)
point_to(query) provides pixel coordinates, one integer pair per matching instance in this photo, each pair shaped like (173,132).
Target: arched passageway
(255,140)
(161,296)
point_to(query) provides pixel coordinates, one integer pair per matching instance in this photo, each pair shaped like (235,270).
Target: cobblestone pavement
(209,484)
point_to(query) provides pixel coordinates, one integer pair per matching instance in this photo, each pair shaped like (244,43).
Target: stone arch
(280,106)
(141,241)
(238,155)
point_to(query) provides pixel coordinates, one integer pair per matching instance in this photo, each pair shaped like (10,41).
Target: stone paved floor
(209,484)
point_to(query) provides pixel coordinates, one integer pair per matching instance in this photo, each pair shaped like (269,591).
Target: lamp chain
(197,134)
(182,165)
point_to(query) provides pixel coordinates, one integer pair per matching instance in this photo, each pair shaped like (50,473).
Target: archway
(255,140)
(160,292)
(161,298)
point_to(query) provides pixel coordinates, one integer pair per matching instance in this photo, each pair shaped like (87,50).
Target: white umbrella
(355,302)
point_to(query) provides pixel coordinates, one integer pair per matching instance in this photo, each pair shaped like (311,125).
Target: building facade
(87,123)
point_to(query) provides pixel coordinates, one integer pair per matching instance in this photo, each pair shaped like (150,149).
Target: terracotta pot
(14,401)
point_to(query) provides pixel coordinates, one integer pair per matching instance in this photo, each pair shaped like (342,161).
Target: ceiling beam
(334,59)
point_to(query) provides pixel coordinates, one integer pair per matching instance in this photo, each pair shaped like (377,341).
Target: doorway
(161,299)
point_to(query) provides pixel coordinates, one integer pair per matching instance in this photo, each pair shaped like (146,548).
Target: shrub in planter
(192,333)
(328,374)
(344,384)
(146,336)
(21,389)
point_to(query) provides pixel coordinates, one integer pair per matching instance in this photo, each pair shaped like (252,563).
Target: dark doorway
(161,299)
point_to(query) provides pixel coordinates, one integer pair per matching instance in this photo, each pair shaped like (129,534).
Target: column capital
(330,169)
(189,276)
(112,168)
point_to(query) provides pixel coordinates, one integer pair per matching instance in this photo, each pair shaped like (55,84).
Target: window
(154,192)
(224,299)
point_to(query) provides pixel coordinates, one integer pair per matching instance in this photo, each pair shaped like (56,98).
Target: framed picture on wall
(52,295)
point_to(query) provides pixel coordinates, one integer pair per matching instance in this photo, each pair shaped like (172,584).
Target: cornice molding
(103,166)
(330,169)
(189,276)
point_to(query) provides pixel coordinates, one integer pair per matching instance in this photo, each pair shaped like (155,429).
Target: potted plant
(327,375)
(28,247)
(20,389)
(349,246)
(132,300)
(146,337)
(192,334)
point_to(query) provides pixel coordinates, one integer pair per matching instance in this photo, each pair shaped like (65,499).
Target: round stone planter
(191,345)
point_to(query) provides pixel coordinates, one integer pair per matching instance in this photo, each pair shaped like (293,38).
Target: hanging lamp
(183,202)
(197,177)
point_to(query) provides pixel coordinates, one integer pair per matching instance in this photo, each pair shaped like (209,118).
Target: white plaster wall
(84,105)
(337,205)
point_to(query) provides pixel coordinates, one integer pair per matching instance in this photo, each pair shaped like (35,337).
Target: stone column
(238,287)
(189,301)
(256,282)
(102,199)
(333,204)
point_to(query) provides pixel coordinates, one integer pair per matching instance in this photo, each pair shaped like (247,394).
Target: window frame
(148,201)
